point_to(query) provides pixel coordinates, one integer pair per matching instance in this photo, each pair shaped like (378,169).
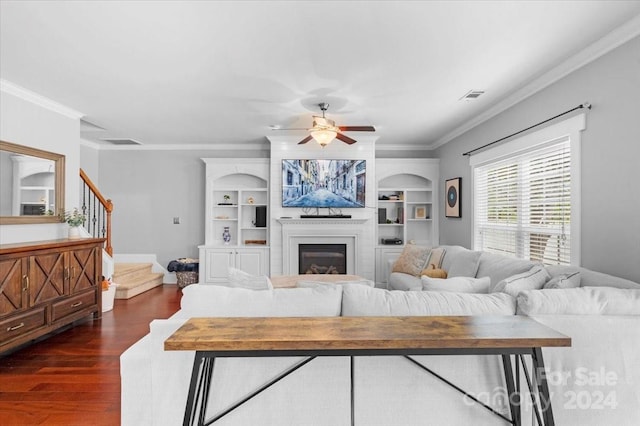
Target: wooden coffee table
(367,336)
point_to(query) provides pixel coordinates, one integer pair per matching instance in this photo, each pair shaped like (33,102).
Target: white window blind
(522,204)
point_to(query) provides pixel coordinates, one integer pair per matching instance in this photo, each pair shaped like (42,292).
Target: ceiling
(209,72)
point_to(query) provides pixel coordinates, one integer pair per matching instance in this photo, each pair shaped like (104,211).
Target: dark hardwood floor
(73,378)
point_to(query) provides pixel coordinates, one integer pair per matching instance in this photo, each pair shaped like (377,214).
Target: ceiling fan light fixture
(324,136)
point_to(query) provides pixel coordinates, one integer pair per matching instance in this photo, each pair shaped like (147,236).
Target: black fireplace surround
(322,258)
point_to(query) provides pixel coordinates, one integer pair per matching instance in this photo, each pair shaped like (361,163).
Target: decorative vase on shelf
(226,235)
(74,232)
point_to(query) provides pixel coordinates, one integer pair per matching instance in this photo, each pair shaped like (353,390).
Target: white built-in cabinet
(234,190)
(407,202)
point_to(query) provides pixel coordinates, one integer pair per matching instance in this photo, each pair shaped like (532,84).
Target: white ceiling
(210,72)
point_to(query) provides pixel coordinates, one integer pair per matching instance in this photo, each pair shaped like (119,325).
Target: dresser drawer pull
(75,305)
(15,327)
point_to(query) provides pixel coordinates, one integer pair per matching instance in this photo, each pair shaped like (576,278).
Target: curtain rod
(584,105)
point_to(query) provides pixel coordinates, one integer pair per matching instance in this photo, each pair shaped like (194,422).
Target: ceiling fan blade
(357,128)
(345,139)
(305,140)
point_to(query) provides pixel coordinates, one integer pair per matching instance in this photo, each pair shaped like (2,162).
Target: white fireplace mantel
(322,231)
(321,221)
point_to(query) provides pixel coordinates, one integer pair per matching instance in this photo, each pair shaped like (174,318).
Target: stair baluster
(99,218)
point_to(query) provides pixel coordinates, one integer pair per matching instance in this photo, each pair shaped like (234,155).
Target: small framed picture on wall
(452,193)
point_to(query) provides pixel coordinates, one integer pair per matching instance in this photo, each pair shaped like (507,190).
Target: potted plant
(75,220)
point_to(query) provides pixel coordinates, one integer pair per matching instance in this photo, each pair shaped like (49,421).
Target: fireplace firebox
(322,258)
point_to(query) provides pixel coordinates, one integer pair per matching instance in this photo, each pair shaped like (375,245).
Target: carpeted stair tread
(135,278)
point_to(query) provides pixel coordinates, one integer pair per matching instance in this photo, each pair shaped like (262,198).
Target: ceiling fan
(324,130)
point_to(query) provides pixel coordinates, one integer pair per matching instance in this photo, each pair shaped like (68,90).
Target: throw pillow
(412,260)
(533,279)
(241,279)
(433,272)
(563,281)
(436,257)
(465,264)
(457,284)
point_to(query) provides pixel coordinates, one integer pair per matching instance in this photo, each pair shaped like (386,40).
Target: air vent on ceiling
(472,95)
(121,141)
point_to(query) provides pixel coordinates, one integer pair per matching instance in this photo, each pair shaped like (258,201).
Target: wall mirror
(31,185)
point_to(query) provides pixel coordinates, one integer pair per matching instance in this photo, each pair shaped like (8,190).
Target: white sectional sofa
(595,382)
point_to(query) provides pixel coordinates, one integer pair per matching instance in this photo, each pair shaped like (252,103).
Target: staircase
(135,278)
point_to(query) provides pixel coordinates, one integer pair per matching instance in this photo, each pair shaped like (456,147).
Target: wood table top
(363,333)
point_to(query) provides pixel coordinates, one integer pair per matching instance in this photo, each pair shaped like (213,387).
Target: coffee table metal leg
(512,393)
(353,417)
(543,387)
(199,388)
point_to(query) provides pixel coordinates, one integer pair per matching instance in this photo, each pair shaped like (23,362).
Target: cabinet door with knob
(218,260)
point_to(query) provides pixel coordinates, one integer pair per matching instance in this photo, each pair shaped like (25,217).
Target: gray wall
(149,189)
(610,157)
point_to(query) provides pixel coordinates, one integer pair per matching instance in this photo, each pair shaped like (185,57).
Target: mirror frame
(58,160)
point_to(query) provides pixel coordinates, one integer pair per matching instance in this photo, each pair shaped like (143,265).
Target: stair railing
(98,211)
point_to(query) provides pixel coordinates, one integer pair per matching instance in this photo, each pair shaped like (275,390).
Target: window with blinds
(522,204)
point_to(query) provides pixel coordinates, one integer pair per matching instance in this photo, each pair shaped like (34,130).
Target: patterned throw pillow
(571,280)
(533,279)
(436,257)
(412,260)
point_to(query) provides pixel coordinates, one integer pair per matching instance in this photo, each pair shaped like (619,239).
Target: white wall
(31,120)
(610,157)
(287,148)
(151,187)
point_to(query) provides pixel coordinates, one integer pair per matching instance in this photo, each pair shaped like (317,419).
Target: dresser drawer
(73,304)
(21,324)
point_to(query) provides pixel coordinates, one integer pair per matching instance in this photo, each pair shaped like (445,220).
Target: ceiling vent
(472,95)
(121,141)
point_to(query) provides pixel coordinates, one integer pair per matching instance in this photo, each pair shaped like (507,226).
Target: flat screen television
(324,183)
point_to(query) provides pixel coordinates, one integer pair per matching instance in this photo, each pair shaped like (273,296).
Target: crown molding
(89,144)
(177,147)
(612,40)
(35,98)
(403,147)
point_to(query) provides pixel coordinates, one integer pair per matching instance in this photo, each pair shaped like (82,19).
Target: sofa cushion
(580,301)
(499,267)
(589,278)
(358,300)
(310,283)
(450,253)
(241,279)
(412,260)
(533,279)
(465,264)
(206,300)
(457,284)
(400,281)
(571,280)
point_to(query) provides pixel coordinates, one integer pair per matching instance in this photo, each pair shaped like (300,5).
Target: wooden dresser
(45,285)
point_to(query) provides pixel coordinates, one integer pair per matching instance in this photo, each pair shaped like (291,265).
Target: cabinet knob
(75,305)
(25,283)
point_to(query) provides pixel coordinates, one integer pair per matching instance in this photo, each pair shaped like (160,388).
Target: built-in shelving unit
(235,191)
(407,196)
